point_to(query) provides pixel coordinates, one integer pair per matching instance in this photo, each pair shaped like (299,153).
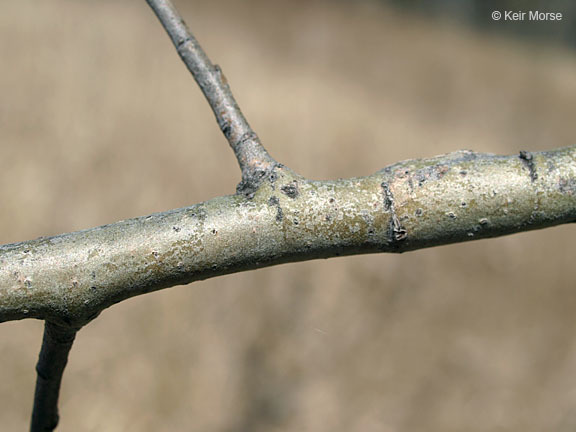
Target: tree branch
(254,161)
(70,278)
(56,345)
(277,217)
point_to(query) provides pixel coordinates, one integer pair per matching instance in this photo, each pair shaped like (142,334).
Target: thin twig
(52,360)
(253,159)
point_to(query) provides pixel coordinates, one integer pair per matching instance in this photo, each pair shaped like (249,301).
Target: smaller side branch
(56,345)
(253,159)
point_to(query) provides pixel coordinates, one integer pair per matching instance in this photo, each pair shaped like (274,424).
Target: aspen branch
(70,278)
(275,217)
(253,159)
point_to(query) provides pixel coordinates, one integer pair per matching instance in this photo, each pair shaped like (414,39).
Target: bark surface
(69,279)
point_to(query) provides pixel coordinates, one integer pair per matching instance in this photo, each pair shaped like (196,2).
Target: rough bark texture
(69,279)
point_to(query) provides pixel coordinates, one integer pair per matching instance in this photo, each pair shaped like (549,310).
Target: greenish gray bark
(276,216)
(69,279)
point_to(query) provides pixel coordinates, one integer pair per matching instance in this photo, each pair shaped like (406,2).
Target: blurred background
(100,121)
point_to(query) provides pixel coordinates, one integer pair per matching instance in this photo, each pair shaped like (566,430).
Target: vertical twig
(253,159)
(52,360)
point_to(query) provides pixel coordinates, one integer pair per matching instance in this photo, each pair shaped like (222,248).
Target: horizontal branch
(70,278)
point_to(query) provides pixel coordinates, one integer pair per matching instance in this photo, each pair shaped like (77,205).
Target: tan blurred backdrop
(99,121)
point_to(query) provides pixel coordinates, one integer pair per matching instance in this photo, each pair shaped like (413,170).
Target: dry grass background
(99,121)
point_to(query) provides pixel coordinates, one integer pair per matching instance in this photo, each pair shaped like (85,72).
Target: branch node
(396,232)
(528,160)
(183,42)
(290,190)
(251,181)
